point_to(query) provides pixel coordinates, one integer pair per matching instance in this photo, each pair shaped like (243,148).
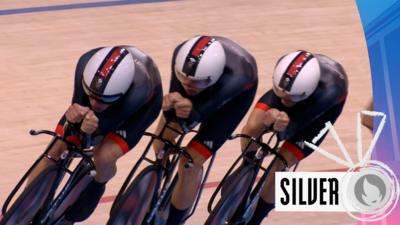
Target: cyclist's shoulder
(137,53)
(330,67)
(269,95)
(235,53)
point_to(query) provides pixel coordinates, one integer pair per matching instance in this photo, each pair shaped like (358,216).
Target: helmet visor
(287,96)
(106,99)
(193,83)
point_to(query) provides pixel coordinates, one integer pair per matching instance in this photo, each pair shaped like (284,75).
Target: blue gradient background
(381,23)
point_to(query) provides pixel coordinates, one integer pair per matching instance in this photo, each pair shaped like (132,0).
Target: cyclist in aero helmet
(308,90)
(198,68)
(296,76)
(108,75)
(213,83)
(117,95)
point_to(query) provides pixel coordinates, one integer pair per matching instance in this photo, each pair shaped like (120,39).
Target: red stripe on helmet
(111,61)
(298,63)
(197,49)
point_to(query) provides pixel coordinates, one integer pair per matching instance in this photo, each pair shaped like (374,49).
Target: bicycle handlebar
(37,132)
(54,134)
(264,146)
(71,146)
(170,144)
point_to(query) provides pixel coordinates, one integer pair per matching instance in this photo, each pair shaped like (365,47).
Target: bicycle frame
(251,194)
(167,164)
(62,163)
(143,157)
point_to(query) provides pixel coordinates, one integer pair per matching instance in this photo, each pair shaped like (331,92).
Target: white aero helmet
(201,60)
(108,74)
(297,75)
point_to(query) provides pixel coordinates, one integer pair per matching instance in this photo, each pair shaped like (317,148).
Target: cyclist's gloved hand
(270,117)
(183,107)
(281,122)
(170,99)
(167,103)
(179,109)
(277,120)
(170,116)
(75,113)
(180,104)
(90,123)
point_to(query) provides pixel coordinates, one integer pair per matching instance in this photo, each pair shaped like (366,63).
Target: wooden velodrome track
(38,52)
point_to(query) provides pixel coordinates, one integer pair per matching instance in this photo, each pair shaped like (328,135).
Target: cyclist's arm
(167,134)
(113,147)
(254,127)
(227,89)
(78,96)
(330,98)
(295,144)
(255,124)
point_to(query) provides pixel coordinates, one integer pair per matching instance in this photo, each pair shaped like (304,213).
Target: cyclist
(213,82)
(308,90)
(117,95)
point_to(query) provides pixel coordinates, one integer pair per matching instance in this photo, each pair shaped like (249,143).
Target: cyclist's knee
(101,161)
(198,159)
(186,168)
(290,158)
(55,152)
(191,170)
(105,162)
(105,157)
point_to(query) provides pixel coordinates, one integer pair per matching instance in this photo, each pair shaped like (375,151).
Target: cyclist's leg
(266,202)
(213,133)
(293,153)
(55,153)
(186,188)
(107,153)
(167,134)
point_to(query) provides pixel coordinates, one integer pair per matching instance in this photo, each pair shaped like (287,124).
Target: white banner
(312,191)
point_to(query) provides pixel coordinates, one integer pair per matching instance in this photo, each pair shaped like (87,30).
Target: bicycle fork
(78,181)
(251,203)
(160,200)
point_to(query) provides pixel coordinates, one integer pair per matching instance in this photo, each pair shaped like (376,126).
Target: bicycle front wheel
(31,199)
(228,204)
(135,202)
(70,192)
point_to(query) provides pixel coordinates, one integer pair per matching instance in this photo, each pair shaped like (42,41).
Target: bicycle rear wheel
(135,202)
(228,204)
(31,199)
